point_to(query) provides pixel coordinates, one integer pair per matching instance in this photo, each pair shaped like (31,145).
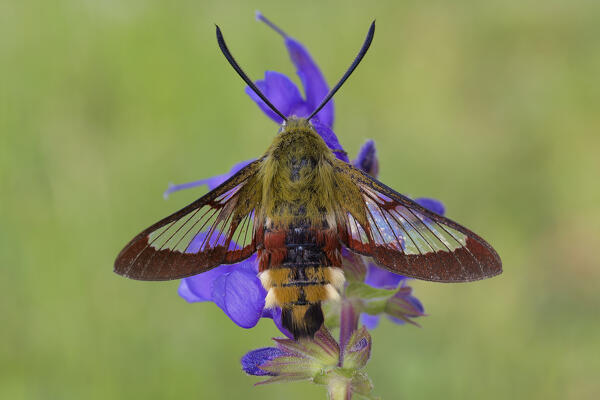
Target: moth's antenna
(242,74)
(355,63)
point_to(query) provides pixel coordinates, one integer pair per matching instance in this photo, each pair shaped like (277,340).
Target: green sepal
(362,386)
(361,290)
(358,350)
(372,301)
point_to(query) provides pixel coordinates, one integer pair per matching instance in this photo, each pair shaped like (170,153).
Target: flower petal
(397,321)
(241,296)
(315,85)
(253,359)
(280,91)
(367,159)
(198,288)
(210,182)
(330,139)
(382,278)
(275,315)
(370,321)
(432,205)
(187,294)
(235,169)
(249,265)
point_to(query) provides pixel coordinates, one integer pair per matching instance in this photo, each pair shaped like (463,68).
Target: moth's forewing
(216,229)
(408,239)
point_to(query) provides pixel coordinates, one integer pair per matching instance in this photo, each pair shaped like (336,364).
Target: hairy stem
(339,389)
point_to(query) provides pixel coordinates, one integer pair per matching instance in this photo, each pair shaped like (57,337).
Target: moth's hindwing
(406,238)
(219,228)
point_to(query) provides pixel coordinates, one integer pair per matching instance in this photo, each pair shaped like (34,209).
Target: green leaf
(331,310)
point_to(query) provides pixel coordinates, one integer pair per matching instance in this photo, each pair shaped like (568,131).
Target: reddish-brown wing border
(139,260)
(475,260)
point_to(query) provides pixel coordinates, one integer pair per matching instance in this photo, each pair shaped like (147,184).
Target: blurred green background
(492,107)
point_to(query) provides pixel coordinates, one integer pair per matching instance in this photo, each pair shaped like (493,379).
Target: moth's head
(297,138)
(289,121)
(298,129)
(295,123)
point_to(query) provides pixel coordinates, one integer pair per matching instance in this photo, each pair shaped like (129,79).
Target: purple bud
(252,361)
(367,159)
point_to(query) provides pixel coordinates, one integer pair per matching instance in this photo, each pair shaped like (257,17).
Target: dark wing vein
(443,250)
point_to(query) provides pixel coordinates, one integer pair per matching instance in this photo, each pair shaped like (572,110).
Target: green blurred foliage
(491,107)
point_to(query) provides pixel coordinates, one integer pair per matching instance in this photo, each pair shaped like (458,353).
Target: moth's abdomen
(300,268)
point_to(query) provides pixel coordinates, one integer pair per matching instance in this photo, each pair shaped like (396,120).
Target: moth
(297,206)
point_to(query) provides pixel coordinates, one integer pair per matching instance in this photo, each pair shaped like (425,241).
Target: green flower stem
(339,389)
(348,324)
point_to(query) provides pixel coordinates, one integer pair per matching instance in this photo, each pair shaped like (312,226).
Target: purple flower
(285,95)
(408,305)
(319,360)
(235,289)
(299,360)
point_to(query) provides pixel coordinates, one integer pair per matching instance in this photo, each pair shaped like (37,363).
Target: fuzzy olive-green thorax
(299,182)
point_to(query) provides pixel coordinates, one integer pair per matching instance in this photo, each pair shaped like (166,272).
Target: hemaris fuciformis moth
(296,206)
